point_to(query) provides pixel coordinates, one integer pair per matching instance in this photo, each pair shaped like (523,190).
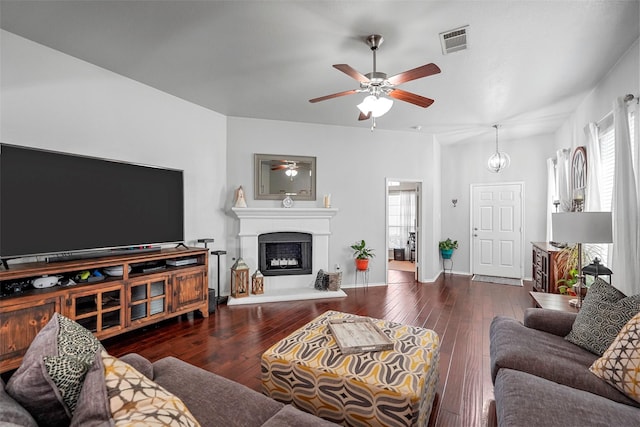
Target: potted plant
(565,285)
(362,254)
(446,247)
(568,269)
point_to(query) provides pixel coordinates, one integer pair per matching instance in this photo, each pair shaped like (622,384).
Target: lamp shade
(378,106)
(582,227)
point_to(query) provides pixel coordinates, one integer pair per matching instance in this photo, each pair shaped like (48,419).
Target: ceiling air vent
(454,40)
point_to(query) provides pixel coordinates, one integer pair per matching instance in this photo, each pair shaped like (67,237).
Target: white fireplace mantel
(257,221)
(246,213)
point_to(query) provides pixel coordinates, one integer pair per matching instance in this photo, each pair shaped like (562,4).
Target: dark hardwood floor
(232,339)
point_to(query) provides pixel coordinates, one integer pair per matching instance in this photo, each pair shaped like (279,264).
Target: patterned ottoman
(380,388)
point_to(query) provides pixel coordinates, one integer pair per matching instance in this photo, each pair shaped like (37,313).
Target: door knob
(475,235)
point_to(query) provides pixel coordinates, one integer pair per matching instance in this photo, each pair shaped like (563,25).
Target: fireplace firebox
(285,253)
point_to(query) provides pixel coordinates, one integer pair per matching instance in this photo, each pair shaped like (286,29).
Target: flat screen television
(57,203)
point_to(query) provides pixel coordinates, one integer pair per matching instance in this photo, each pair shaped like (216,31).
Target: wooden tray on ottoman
(358,335)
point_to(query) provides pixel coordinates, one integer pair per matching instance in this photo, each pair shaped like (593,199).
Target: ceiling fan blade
(275,168)
(416,73)
(351,72)
(364,116)
(334,95)
(412,98)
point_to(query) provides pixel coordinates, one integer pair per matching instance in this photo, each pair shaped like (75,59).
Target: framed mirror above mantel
(277,176)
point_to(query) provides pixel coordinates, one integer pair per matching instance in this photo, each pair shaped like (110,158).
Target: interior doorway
(402,230)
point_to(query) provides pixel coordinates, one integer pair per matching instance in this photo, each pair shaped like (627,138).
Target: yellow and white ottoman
(379,388)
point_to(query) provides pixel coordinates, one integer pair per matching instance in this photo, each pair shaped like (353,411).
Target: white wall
(54,101)
(465,164)
(622,79)
(352,164)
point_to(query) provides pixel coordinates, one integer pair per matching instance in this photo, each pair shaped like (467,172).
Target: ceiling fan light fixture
(498,161)
(378,106)
(291,172)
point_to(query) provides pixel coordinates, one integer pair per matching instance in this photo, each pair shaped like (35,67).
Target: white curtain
(626,232)
(402,218)
(594,167)
(563,182)
(407,215)
(551,193)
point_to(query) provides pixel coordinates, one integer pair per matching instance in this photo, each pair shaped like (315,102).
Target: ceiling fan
(290,167)
(378,85)
(283,164)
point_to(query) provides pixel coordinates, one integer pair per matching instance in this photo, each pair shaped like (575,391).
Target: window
(607,157)
(402,217)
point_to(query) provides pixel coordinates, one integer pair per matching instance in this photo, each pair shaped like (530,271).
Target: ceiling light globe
(377,106)
(367,104)
(382,107)
(498,161)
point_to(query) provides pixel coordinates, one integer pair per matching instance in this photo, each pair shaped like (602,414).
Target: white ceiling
(528,64)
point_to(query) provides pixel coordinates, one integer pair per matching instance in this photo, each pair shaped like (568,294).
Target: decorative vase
(362,264)
(446,253)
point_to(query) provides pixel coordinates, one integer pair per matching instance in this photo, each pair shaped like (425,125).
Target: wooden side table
(553,301)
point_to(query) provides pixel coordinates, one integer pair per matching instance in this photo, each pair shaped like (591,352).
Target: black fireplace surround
(285,253)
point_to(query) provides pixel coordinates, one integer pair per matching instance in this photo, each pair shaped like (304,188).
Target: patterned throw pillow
(605,310)
(49,380)
(68,375)
(620,364)
(136,400)
(77,347)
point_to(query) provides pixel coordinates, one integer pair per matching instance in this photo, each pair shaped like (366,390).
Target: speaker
(212,301)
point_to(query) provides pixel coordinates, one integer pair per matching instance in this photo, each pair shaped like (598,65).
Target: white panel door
(497,230)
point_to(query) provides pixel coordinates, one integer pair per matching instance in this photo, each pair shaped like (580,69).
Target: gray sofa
(213,400)
(542,379)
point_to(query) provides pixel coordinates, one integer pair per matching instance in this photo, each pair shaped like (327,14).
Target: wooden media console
(147,292)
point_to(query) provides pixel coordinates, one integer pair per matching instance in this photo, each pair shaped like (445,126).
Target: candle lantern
(257,283)
(240,279)
(596,270)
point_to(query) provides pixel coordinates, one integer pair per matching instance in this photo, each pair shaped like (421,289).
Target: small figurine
(241,202)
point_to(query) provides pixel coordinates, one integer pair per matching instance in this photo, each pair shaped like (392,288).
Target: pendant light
(498,161)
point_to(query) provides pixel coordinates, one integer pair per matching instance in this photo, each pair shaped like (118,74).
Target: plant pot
(446,253)
(362,264)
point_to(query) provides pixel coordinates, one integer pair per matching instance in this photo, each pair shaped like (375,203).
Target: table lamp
(579,228)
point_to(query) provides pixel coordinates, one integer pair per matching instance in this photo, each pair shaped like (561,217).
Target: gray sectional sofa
(213,400)
(542,379)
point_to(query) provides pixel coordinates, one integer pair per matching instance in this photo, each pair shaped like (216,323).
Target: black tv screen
(52,203)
